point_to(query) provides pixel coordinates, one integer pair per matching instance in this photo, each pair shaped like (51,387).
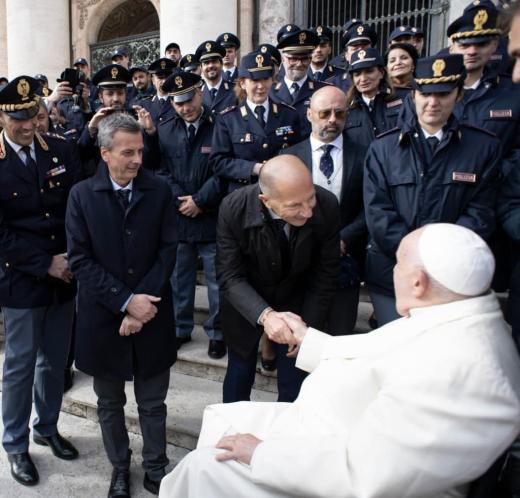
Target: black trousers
(150,395)
(343,311)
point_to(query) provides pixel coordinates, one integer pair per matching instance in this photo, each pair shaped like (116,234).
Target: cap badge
(208,47)
(302,37)
(289,28)
(414,30)
(114,72)
(360,30)
(402,28)
(23,89)
(476,2)
(188,57)
(438,68)
(259,60)
(263,49)
(163,64)
(178,81)
(319,30)
(361,55)
(480,19)
(226,37)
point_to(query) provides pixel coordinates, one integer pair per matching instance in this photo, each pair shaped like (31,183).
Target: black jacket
(224,98)
(114,253)
(250,272)
(32,222)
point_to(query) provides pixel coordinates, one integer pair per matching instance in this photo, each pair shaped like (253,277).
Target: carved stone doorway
(133,25)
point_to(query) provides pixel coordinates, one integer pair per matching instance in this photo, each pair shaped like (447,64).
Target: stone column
(191,22)
(273,15)
(39,37)
(3,40)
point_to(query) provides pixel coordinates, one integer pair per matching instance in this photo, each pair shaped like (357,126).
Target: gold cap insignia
(414,30)
(438,68)
(226,37)
(208,47)
(319,30)
(302,37)
(263,50)
(361,55)
(289,28)
(178,81)
(114,72)
(480,19)
(163,64)
(188,57)
(259,60)
(402,28)
(360,30)
(23,89)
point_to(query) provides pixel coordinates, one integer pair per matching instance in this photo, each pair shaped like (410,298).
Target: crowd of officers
(417,140)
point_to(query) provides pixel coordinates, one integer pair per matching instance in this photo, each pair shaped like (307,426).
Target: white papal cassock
(418,408)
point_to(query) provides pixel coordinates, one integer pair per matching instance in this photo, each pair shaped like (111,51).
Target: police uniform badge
(402,28)
(263,49)
(438,68)
(361,55)
(480,19)
(178,81)
(360,30)
(319,30)
(188,57)
(226,37)
(23,88)
(163,64)
(259,61)
(114,72)
(302,37)
(208,47)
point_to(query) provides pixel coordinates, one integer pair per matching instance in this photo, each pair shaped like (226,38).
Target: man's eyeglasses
(338,113)
(295,60)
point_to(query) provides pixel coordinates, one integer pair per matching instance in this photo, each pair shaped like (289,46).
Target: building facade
(46,36)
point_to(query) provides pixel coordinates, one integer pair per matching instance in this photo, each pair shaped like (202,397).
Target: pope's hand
(298,329)
(240,447)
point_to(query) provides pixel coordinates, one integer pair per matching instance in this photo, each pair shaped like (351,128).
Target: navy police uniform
(38,309)
(410,183)
(324,34)
(229,40)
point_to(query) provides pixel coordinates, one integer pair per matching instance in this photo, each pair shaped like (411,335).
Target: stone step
(187,397)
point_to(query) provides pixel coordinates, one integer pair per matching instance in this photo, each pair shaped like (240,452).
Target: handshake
(284,328)
(139,310)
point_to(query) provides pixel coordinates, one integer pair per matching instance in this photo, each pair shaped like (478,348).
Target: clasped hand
(285,328)
(140,310)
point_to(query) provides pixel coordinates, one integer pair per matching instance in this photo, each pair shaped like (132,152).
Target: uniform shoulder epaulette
(388,132)
(227,109)
(54,135)
(41,141)
(148,97)
(326,83)
(483,130)
(285,104)
(278,85)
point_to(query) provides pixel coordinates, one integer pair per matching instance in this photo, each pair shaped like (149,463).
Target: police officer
(173,52)
(44,82)
(296,87)
(231,43)
(358,36)
(321,69)
(142,83)
(190,64)
(120,56)
(283,32)
(159,106)
(431,169)
(36,287)
(182,144)
(248,135)
(111,81)
(373,107)
(408,34)
(218,94)
(339,60)
(276,57)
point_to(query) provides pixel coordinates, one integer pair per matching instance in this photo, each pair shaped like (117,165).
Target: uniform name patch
(205,150)
(394,103)
(464,177)
(502,113)
(56,171)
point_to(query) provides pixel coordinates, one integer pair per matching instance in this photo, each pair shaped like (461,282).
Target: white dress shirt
(253,106)
(289,83)
(216,87)
(332,184)
(18,149)
(437,135)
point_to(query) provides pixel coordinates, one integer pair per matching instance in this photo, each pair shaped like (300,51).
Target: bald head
(287,189)
(327,113)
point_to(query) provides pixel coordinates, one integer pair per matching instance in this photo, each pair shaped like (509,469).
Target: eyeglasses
(338,113)
(294,60)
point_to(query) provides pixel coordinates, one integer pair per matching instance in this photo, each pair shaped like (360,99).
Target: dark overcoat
(250,272)
(113,254)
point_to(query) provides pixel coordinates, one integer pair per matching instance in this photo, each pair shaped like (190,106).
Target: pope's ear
(421,284)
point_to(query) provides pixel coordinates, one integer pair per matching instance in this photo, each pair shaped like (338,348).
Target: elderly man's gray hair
(118,121)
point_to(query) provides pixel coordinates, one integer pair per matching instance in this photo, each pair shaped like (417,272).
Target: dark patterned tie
(318,75)
(191,133)
(213,93)
(433,142)
(228,75)
(326,162)
(123,196)
(295,89)
(468,93)
(29,161)
(283,241)
(259,111)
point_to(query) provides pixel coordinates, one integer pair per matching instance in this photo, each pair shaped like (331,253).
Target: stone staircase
(196,381)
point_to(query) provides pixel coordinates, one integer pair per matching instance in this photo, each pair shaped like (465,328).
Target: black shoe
(372,322)
(268,365)
(23,469)
(119,484)
(182,340)
(59,446)
(151,485)
(216,349)
(69,374)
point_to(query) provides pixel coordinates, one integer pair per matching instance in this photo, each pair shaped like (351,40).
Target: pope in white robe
(418,408)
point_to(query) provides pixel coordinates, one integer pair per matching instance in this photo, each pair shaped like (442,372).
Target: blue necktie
(213,93)
(326,163)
